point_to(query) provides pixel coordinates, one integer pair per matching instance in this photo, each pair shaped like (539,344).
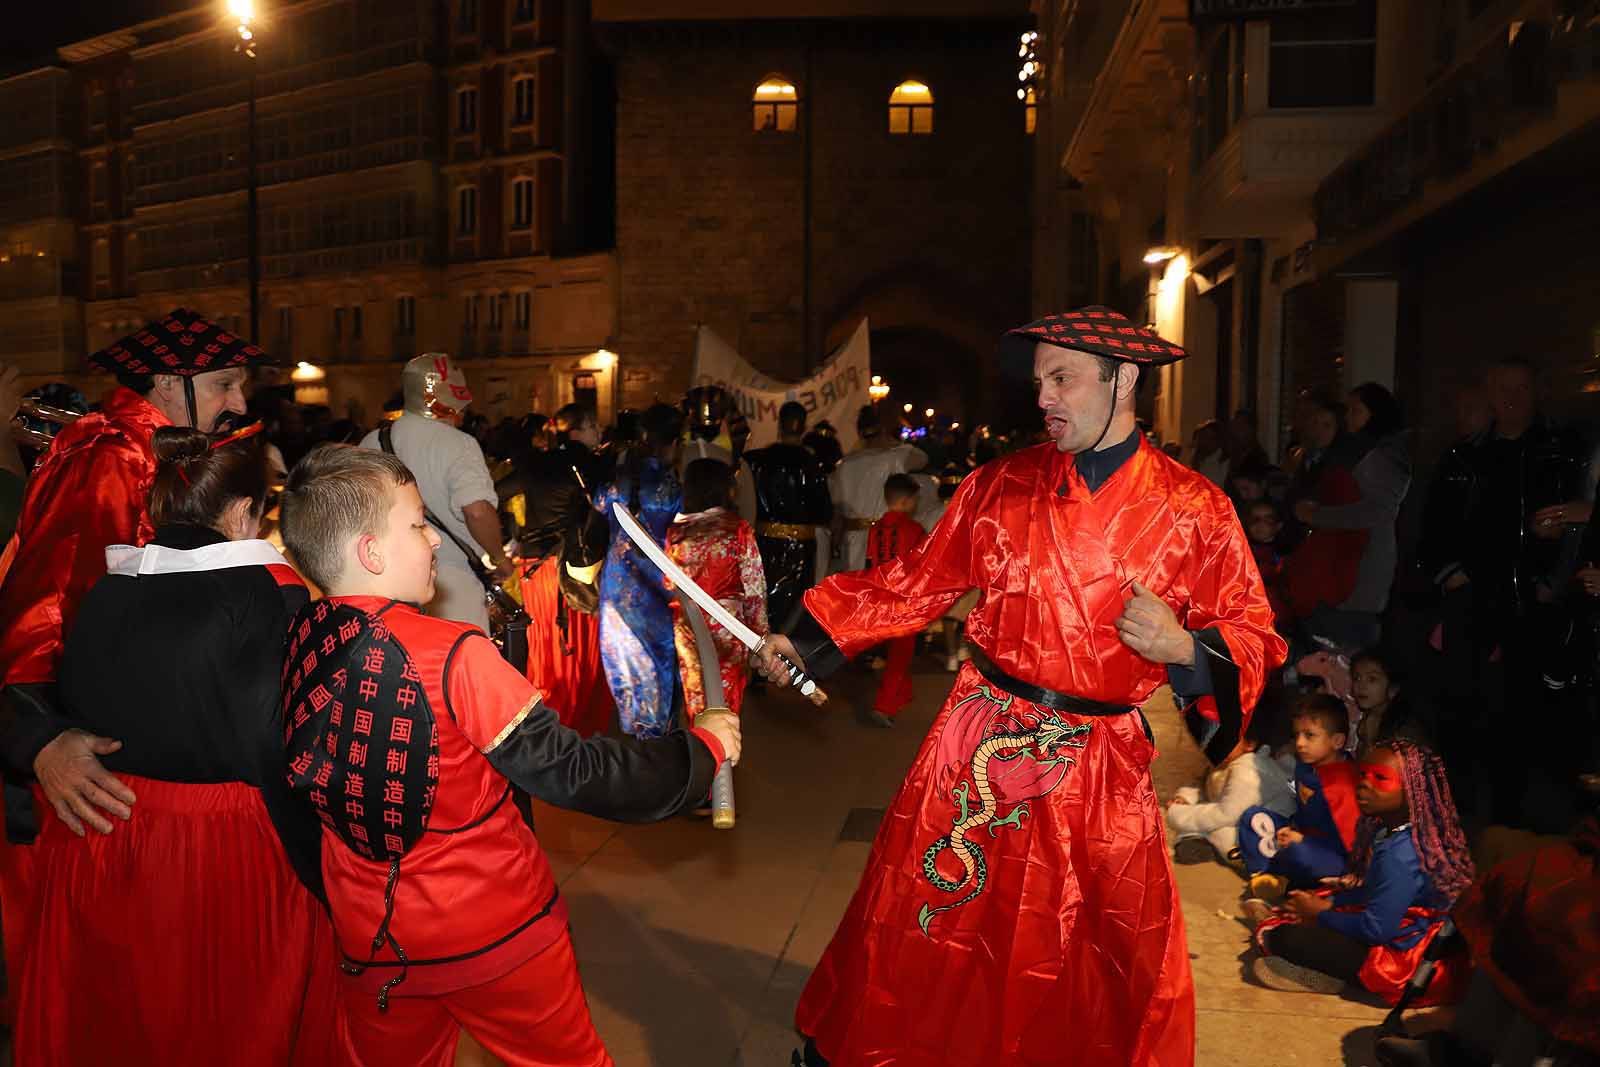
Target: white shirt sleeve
(467,477)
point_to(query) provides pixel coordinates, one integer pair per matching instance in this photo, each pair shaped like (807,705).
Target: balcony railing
(1508,85)
(342,260)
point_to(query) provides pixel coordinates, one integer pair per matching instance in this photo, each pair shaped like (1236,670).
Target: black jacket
(182,667)
(1477,519)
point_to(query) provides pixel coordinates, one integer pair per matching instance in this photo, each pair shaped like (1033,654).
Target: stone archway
(933,351)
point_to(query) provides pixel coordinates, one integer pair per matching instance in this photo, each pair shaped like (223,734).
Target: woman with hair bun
(192,933)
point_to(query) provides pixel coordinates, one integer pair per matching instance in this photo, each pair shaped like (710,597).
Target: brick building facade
(416,164)
(782,238)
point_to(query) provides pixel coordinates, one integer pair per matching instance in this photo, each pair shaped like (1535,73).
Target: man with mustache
(1019,906)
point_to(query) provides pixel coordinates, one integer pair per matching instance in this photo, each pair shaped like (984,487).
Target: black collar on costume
(1096,467)
(186,538)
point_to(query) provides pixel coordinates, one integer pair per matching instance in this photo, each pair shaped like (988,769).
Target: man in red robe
(89,491)
(1018,906)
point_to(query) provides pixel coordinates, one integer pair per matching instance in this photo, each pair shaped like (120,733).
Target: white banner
(836,392)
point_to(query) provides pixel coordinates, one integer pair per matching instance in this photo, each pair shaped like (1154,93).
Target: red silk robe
(90,491)
(1018,906)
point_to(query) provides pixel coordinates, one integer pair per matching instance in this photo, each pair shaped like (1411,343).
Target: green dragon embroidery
(1044,739)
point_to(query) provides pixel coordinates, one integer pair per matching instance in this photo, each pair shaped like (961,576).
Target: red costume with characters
(1018,906)
(422,737)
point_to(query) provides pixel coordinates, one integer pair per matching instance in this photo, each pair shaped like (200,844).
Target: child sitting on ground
(890,538)
(1205,820)
(1411,862)
(716,548)
(1385,713)
(1315,843)
(405,733)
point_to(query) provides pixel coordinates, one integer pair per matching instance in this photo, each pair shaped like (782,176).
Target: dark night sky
(41,26)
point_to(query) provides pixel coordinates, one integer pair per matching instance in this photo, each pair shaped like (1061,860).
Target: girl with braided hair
(1409,864)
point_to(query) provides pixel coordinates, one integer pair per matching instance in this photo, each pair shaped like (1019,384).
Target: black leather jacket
(1478,515)
(791,486)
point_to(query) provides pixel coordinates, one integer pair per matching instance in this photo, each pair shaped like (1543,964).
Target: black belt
(1045,698)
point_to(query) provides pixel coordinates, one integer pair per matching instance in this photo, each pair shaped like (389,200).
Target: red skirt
(183,937)
(565,667)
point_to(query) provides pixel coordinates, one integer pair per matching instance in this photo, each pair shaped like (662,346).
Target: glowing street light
(928,413)
(878,389)
(906,409)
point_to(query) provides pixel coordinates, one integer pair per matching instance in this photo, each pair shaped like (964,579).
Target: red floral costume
(718,550)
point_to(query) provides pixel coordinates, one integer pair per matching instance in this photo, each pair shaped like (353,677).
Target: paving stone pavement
(695,944)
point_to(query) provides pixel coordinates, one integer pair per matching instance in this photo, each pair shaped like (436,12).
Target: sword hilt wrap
(799,680)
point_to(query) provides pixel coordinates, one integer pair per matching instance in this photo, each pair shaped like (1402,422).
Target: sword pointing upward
(745,636)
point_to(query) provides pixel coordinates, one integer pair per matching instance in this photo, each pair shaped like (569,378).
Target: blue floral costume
(636,641)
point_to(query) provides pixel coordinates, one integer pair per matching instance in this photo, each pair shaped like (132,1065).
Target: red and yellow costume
(564,652)
(1018,906)
(718,550)
(891,537)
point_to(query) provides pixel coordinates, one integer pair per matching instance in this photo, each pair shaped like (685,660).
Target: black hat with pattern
(180,343)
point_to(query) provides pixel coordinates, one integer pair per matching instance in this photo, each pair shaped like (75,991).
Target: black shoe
(1402,1052)
(1193,850)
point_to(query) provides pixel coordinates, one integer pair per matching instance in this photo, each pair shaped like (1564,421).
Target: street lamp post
(244,12)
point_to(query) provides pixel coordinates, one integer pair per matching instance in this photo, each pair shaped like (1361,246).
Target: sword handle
(722,815)
(798,680)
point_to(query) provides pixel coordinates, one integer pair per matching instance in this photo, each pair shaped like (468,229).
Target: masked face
(1382,790)
(435,387)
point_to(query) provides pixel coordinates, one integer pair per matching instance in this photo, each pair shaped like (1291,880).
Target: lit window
(405,314)
(776,105)
(522,101)
(911,108)
(522,312)
(467,111)
(497,311)
(524,12)
(467,16)
(1030,111)
(522,204)
(467,210)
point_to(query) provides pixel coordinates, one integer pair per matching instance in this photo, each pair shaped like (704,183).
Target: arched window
(776,106)
(1030,111)
(911,108)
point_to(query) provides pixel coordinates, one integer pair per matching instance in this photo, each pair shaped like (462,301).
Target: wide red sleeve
(858,609)
(1230,615)
(74,508)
